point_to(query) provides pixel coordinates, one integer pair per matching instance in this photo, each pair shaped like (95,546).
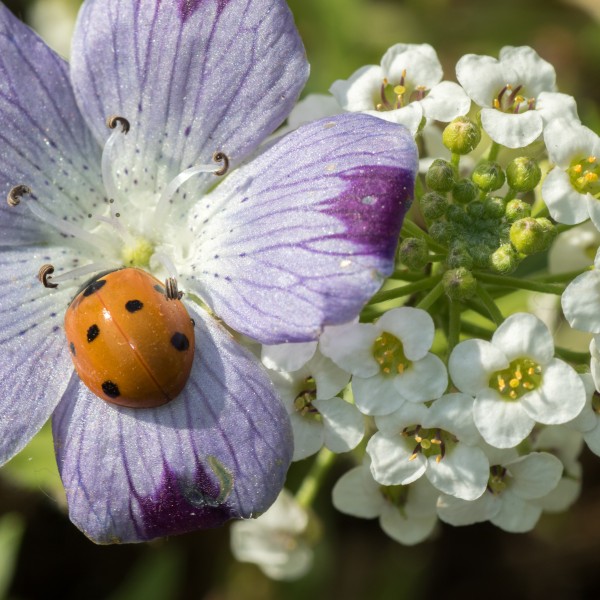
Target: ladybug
(131,339)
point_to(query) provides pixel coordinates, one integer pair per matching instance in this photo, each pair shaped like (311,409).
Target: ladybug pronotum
(130,344)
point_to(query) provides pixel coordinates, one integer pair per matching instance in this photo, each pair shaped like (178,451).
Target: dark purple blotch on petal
(373,207)
(188,7)
(181,505)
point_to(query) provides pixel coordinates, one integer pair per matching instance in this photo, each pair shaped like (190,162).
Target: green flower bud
(433,205)
(456,214)
(517,209)
(461,136)
(504,260)
(531,235)
(464,191)
(413,253)
(476,210)
(549,229)
(494,207)
(441,231)
(481,255)
(523,174)
(459,284)
(488,176)
(459,256)
(440,176)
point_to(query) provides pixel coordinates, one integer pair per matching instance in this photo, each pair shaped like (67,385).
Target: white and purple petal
(34,356)
(191,76)
(44,143)
(219,451)
(305,234)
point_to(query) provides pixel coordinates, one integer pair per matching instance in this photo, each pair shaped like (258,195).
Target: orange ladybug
(131,340)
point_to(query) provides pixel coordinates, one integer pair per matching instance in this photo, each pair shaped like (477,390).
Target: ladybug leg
(171,290)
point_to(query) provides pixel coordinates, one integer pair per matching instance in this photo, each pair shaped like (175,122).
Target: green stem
(454,325)
(455,161)
(410,229)
(437,257)
(405,290)
(405,275)
(572,356)
(476,330)
(433,295)
(521,284)
(489,304)
(310,486)
(493,153)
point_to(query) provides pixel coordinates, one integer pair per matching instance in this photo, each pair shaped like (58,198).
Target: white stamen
(77,272)
(114,222)
(167,264)
(107,174)
(69,228)
(162,208)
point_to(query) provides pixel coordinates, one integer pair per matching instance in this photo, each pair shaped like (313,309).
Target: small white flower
(438,442)
(405,88)
(390,360)
(513,485)
(318,416)
(566,444)
(516,381)
(572,189)
(574,249)
(516,94)
(581,299)
(276,541)
(407,513)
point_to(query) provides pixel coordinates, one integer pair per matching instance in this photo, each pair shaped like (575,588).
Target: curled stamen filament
(162,208)
(107,175)
(113,221)
(81,271)
(67,228)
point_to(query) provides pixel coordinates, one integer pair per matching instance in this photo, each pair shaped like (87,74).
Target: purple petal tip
(181,505)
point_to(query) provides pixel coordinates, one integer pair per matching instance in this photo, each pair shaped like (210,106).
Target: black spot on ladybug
(93,287)
(180,341)
(72,347)
(92,333)
(133,305)
(111,389)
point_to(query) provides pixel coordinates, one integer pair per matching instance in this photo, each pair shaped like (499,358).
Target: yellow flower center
(585,176)
(388,351)
(303,403)
(519,378)
(137,254)
(429,442)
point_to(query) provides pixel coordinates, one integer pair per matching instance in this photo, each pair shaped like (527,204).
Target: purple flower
(298,238)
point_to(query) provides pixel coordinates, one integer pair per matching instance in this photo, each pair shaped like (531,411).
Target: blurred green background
(43,556)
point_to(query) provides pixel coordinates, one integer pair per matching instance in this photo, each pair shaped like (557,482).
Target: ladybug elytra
(130,343)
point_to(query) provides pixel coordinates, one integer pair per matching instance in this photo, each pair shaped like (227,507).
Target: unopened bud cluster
(477,215)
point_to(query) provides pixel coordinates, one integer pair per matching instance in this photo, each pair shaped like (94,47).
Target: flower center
(510,100)
(596,403)
(388,351)
(496,484)
(430,442)
(585,176)
(519,378)
(113,243)
(303,403)
(397,95)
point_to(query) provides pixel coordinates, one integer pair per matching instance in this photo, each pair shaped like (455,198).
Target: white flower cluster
(494,431)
